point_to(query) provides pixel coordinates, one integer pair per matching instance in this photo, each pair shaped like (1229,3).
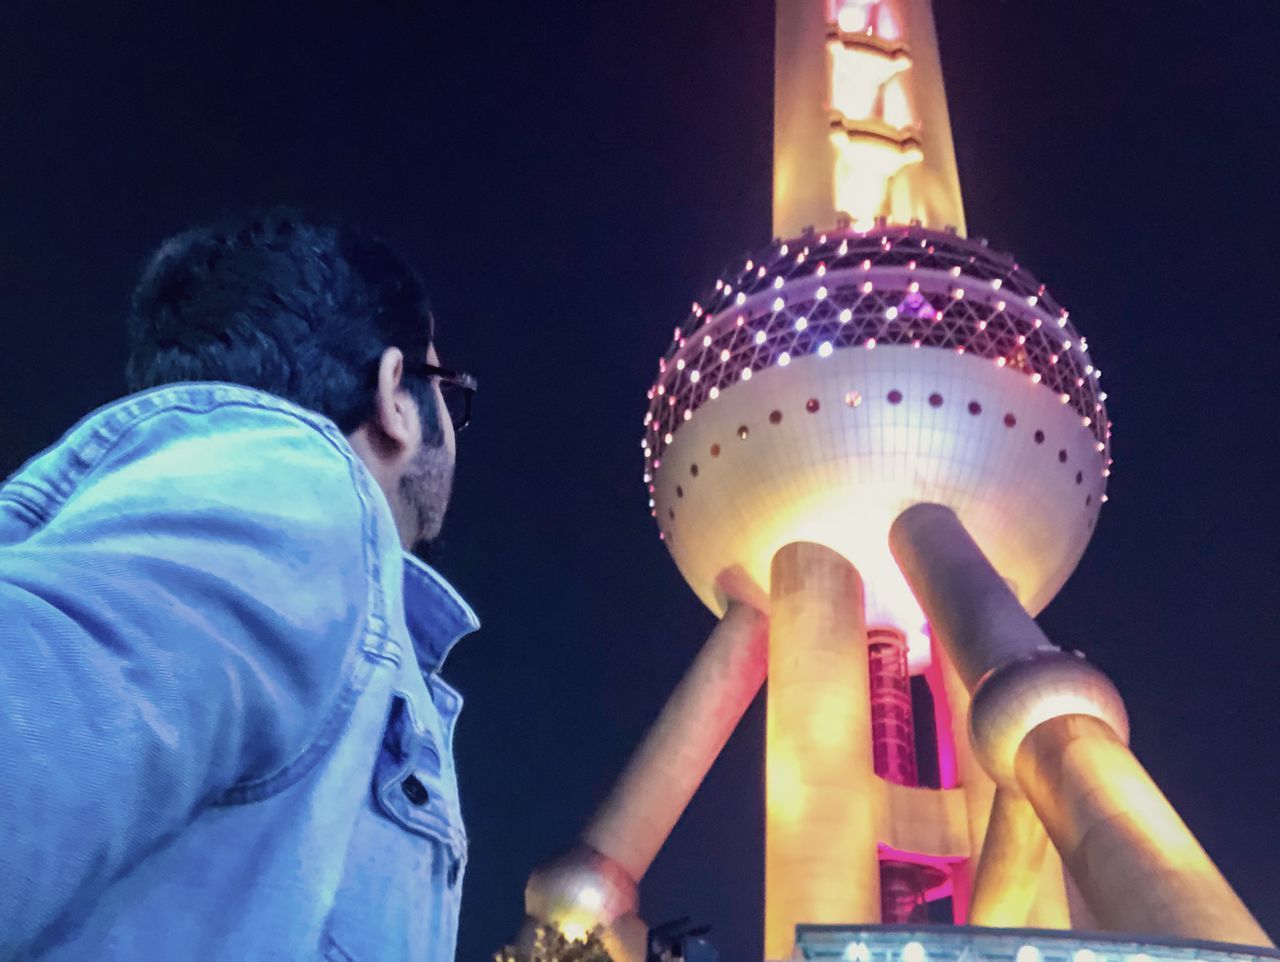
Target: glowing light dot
(958,293)
(1036,378)
(853,399)
(760,337)
(996,283)
(825,349)
(913,287)
(783,249)
(662,389)
(821,293)
(846,316)
(590,897)
(1102,447)
(891,313)
(687,414)
(844,247)
(801,323)
(746,374)
(777,283)
(1001,362)
(680,364)
(779,303)
(955,272)
(866,287)
(1028,953)
(761,272)
(1066,345)
(749,265)
(1032,300)
(914,952)
(1064,397)
(1000,305)
(857,952)
(724,355)
(713,393)
(706,341)
(667,437)
(1102,396)
(822,270)
(693,377)
(784,359)
(1086,421)
(871,344)
(1062,322)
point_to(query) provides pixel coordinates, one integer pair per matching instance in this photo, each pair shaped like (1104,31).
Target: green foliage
(551,945)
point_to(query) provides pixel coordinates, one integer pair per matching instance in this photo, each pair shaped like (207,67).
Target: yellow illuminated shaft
(1051,727)
(820,822)
(861,128)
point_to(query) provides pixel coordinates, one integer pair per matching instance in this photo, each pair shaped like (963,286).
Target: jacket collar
(435,613)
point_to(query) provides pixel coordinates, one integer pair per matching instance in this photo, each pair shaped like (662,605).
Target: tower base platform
(959,943)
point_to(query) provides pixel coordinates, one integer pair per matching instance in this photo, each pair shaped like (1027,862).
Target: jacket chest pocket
(414,784)
(402,882)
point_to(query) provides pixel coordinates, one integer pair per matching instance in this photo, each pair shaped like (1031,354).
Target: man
(223,733)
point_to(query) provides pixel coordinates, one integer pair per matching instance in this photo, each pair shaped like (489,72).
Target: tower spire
(861,129)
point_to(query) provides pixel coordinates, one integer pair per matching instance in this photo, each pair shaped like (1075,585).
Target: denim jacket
(223,733)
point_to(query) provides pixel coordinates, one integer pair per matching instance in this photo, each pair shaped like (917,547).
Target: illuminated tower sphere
(876,448)
(834,379)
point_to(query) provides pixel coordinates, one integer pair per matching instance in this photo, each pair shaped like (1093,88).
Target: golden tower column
(821,796)
(861,128)
(596,884)
(1050,726)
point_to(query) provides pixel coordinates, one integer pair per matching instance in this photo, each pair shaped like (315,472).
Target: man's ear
(395,414)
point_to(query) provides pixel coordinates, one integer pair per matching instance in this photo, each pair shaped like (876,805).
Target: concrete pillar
(1008,875)
(821,795)
(1137,864)
(596,883)
(805,169)
(951,700)
(1052,727)
(679,749)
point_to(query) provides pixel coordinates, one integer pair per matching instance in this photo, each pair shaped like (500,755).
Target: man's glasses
(457,388)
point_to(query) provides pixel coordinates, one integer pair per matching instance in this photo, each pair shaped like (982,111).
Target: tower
(877,448)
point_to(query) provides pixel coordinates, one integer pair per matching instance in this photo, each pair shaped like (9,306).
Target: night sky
(569,176)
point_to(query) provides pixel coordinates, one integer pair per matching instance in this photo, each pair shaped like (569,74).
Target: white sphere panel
(840,475)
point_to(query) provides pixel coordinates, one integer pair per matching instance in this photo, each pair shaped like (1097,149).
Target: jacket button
(415,791)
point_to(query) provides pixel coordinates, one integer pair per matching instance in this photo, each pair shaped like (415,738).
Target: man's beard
(425,488)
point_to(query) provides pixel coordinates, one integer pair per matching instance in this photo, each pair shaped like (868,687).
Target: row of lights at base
(915,952)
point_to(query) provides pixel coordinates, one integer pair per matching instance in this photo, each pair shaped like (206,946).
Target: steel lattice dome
(830,382)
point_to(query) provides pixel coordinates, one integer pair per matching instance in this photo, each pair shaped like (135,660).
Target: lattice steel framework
(893,285)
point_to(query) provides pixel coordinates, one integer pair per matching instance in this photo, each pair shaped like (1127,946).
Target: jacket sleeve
(182,626)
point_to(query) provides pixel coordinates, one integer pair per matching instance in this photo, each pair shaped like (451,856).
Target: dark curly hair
(297,305)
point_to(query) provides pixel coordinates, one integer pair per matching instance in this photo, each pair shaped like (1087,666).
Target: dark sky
(569,175)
